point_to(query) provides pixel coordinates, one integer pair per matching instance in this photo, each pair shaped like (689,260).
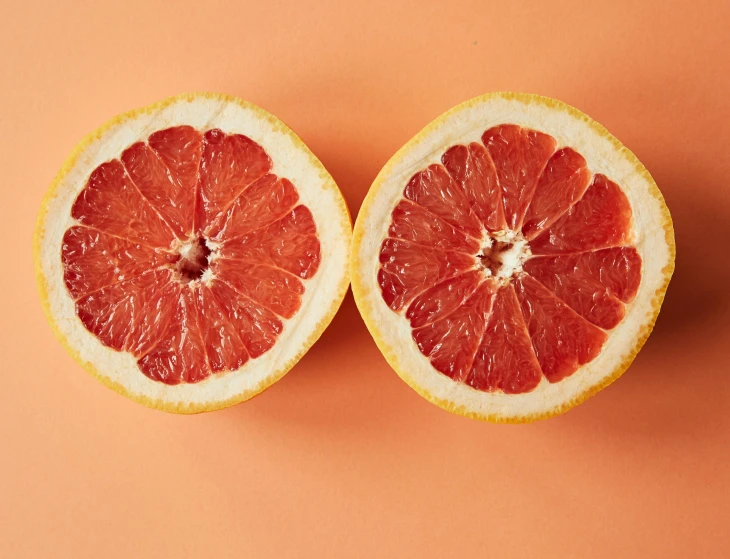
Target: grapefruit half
(189,253)
(511,259)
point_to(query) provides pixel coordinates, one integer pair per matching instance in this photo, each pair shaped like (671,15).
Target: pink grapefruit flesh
(188,253)
(510,260)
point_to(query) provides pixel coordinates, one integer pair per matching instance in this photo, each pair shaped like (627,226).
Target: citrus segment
(175,258)
(93,259)
(223,345)
(450,342)
(435,190)
(290,243)
(266,200)
(161,177)
(257,327)
(179,355)
(594,284)
(505,360)
(473,169)
(230,163)
(519,156)
(407,269)
(602,218)
(180,149)
(411,222)
(268,286)
(442,299)
(563,340)
(563,182)
(152,310)
(128,315)
(112,203)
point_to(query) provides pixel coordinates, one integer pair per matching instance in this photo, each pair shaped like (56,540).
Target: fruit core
(193,260)
(501,255)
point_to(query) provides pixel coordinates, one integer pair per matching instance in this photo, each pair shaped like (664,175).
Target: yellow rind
(360,290)
(42,282)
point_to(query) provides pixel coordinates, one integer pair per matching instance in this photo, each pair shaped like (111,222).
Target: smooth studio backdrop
(341,459)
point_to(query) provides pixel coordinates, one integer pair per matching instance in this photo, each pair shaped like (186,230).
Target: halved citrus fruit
(511,259)
(190,252)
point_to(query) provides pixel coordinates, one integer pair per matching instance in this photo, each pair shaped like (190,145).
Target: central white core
(193,260)
(502,254)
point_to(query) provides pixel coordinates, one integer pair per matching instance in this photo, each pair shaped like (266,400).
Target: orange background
(341,458)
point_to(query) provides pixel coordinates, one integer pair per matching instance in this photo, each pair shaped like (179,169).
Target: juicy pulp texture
(511,261)
(188,253)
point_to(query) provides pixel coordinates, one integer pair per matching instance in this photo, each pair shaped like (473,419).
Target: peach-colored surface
(341,458)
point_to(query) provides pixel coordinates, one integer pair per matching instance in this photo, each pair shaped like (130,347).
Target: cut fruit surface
(191,265)
(511,259)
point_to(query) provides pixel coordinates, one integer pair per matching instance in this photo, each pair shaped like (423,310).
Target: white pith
(290,160)
(511,259)
(466,124)
(186,248)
